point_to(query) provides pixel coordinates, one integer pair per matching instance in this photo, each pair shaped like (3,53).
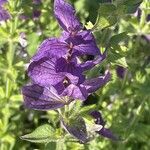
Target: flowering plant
(57,74)
(89,82)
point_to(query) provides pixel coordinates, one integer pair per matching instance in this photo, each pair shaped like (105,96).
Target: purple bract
(104,131)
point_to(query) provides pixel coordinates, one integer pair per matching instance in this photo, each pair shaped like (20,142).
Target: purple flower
(58,75)
(104,131)
(72,43)
(83,44)
(77,128)
(65,76)
(121,71)
(3,2)
(36,14)
(81,91)
(65,14)
(53,71)
(56,62)
(4,15)
(42,98)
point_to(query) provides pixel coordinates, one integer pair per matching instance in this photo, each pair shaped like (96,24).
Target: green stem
(135,120)
(130,129)
(7,94)
(124,80)
(10,54)
(142,20)
(95,25)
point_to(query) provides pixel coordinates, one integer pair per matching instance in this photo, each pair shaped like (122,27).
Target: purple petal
(107,133)
(50,48)
(60,87)
(2,2)
(43,72)
(98,117)
(4,15)
(53,71)
(41,98)
(88,45)
(138,13)
(70,67)
(94,84)
(91,63)
(65,14)
(76,92)
(73,79)
(84,44)
(77,128)
(147,37)
(99,120)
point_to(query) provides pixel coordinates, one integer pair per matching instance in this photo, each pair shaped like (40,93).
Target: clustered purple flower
(56,71)
(4,15)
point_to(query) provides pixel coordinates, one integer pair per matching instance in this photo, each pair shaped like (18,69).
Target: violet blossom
(36,14)
(56,62)
(121,71)
(4,15)
(58,75)
(104,131)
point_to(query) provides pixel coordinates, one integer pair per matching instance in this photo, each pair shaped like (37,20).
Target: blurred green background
(124,102)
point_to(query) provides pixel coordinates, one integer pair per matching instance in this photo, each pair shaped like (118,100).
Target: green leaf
(42,134)
(50,146)
(128,6)
(121,62)
(87,109)
(117,59)
(140,131)
(16,97)
(2,93)
(33,43)
(106,16)
(89,25)
(116,39)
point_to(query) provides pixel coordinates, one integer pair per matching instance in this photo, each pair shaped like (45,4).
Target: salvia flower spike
(57,77)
